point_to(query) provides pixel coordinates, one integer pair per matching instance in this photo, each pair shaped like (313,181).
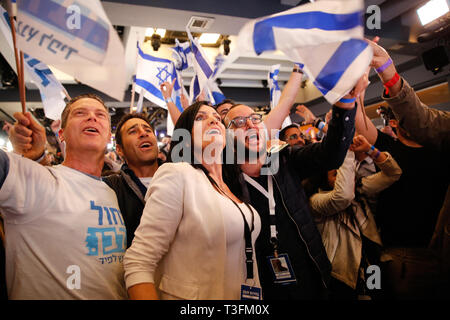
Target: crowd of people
(334,209)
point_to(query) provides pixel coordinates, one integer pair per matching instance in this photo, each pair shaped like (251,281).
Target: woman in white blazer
(190,242)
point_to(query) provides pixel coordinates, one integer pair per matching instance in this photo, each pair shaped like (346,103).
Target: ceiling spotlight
(264,83)
(156,41)
(226,46)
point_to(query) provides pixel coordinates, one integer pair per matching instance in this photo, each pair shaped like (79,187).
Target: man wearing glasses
(292,135)
(288,231)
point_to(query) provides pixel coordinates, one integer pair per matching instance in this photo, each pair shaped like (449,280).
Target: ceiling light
(151,31)
(209,38)
(432,10)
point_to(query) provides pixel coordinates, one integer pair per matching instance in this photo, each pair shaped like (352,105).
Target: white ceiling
(242,71)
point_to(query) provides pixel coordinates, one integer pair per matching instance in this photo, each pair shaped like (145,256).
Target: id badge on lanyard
(249,291)
(280,264)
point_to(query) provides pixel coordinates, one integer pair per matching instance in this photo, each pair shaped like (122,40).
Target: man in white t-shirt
(65,236)
(135,142)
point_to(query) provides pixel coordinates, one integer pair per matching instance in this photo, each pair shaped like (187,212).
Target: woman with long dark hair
(196,238)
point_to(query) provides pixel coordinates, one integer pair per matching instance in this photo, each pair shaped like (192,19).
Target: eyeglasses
(293,136)
(240,122)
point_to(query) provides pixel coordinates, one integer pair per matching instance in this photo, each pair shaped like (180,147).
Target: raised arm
(333,202)
(371,132)
(390,170)
(330,153)
(166,90)
(276,116)
(425,125)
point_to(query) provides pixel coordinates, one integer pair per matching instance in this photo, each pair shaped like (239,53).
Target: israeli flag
(326,36)
(275,91)
(218,63)
(178,88)
(76,37)
(202,67)
(194,89)
(215,94)
(182,55)
(151,72)
(51,90)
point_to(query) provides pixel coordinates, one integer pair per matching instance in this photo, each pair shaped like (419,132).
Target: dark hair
(283,131)
(66,111)
(224,102)
(125,118)
(186,121)
(231,172)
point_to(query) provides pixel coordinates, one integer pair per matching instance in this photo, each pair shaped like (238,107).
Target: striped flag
(194,89)
(202,68)
(182,56)
(151,72)
(275,91)
(51,90)
(76,37)
(326,36)
(215,94)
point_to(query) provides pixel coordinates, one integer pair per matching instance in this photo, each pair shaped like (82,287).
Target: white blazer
(180,244)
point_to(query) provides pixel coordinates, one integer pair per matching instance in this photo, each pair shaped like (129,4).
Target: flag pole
(134,80)
(132,97)
(19,65)
(67,94)
(22,84)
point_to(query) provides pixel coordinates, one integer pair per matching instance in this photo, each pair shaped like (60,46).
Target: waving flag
(202,68)
(215,94)
(178,89)
(51,90)
(182,55)
(194,89)
(218,63)
(326,36)
(77,38)
(151,72)
(275,91)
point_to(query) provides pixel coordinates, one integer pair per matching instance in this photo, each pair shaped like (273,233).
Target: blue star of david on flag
(161,76)
(151,72)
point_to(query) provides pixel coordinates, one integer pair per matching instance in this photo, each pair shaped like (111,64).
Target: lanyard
(248,241)
(269,195)
(247,234)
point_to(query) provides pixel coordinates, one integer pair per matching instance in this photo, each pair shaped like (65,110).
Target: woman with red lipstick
(196,238)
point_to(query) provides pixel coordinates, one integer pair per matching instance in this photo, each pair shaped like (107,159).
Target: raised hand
(360,144)
(167,88)
(27,136)
(305,113)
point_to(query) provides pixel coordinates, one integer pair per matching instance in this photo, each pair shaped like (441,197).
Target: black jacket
(130,195)
(297,163)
